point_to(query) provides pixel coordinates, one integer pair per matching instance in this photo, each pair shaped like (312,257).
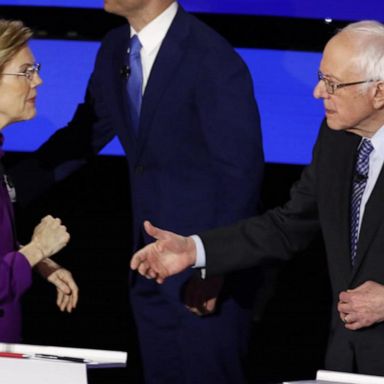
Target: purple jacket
(15,273)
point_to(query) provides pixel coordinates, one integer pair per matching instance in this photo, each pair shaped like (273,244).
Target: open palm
(168,255)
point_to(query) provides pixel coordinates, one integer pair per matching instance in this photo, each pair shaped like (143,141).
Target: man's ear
(378,98)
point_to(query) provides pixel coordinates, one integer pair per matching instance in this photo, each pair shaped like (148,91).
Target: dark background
(288,342)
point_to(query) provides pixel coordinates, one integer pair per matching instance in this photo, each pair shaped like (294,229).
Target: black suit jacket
(319,202)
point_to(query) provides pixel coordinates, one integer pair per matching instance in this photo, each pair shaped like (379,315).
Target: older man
(340,194)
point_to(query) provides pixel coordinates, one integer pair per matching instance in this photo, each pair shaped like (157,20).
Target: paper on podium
(95,358)
(332,377)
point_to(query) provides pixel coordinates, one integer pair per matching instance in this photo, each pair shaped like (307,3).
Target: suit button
(139,169)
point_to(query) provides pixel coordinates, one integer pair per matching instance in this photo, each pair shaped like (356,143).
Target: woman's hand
(48,238)
(62,279)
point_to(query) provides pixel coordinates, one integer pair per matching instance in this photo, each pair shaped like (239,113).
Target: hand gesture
(61,278)
(168,255)
(48,238)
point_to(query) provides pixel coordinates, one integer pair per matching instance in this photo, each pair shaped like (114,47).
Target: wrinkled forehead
(340,55)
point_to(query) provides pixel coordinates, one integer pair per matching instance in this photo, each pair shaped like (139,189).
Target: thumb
(153,231)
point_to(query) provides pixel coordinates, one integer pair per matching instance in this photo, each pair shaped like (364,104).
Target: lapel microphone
(125,71)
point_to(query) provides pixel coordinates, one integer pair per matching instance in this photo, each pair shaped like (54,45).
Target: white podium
(332,377)
(37,364)
(22,371)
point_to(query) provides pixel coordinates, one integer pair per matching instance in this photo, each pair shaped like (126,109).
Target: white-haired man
(340,194)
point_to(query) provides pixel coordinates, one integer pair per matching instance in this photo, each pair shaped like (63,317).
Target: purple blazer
(15,273)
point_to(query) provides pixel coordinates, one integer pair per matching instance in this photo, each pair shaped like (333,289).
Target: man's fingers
(210,305)
(152,274)
(353,326)
(143,268)
(137,259)
(140,256)
(344,296)
(153,231)
(342,307)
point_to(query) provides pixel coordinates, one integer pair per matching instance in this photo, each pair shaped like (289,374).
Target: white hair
(368,37)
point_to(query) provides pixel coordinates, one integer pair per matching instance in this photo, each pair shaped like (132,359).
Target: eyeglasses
(28,73)
(331,86)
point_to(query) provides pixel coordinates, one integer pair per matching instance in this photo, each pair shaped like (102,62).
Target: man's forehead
(339,56)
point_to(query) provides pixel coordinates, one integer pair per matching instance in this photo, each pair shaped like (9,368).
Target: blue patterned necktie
(358,187)
(135,82)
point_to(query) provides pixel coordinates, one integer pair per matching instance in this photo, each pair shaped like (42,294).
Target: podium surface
(93,358)
(332,377)
(22,371)
(37,364)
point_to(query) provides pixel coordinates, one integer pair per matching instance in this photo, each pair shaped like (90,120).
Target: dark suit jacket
(197,161)
(15,272)
(320,201)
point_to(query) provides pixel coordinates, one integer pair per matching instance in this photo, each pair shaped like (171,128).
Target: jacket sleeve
(15,276)
(230,123)
(276,235)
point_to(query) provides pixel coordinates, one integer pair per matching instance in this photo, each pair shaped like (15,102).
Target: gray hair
(368,37)
(14,35)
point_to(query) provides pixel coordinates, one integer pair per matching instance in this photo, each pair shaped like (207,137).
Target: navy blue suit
(196,163)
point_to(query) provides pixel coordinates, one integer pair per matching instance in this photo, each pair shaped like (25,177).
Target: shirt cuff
(200,252)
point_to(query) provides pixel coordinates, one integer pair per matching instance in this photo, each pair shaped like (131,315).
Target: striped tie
(359,183)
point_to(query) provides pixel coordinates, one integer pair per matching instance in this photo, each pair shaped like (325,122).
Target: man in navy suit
(195,162)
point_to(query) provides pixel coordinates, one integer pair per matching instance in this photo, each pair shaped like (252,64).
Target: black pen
(64,358)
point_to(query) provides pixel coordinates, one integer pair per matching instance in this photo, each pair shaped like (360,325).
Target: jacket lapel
(372,220)
(343,164)
(118,84)
(166,63)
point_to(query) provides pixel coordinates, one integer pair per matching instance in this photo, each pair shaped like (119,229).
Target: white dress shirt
(151,37)
(376,160)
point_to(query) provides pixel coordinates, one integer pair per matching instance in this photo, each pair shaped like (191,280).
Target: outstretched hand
(168,255)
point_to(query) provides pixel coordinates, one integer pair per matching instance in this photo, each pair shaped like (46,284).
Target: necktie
(359,183)
(135,82)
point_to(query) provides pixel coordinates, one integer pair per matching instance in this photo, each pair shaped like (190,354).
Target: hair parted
(13,36)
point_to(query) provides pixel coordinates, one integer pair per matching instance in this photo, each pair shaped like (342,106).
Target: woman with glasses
(19,80)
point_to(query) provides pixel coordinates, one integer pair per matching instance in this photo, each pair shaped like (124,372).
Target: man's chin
(334,124)
(331,124)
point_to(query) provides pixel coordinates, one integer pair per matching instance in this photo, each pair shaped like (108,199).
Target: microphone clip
(125,71)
